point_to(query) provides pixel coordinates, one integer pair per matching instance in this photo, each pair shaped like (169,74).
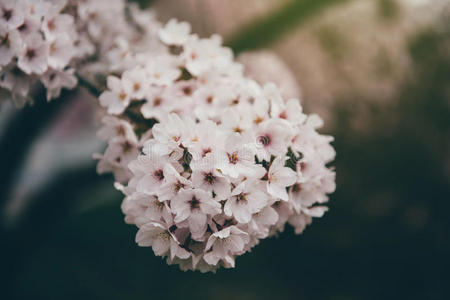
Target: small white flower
(200,142)
(152,167)
(175,33)
(135,83)
(292,112)
(114,127)
(246,199)
(116,99)
(173,184)
(238,158)
(60,52)
(119,153)
(201,55)
(170,135)
(272,137)
(141,208)
(30,25)
(55,80)
(10,44)
(56,24)
(225,243)
(280,177)
(154,235)
(159,103)
(162,71)
(11,14)
(195,205)
(33,58)
(205,176)
(262,222)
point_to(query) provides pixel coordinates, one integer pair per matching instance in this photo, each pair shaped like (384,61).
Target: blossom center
(283,115)
(159,174)
(120,130)
(159,205)
(233,158)
(30,54)
(4,40)
(206,151)
(241,198)
(52,77)
(209,178)
(51,25)
(194,203)
(126,146)
(178,186)
(296,188)
(23,27)
(187,91)
(122,96)
(258,120)
(52,48)
(7,14)
(157,101)
(264,140)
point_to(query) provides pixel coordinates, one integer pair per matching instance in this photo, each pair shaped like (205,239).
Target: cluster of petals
(210,162)
(39,42)
(51,42)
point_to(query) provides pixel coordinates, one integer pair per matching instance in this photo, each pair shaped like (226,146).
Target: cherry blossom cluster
(38,42)
(210,161)
(52,41)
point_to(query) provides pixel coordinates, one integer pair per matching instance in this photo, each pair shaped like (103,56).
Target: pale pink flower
(246,199)
(262,221)
(11,14)
(10,44)
(162,71)
(30,25)
(280,177)
(157,236)
(272,137)
(114,127)
(56,24)
(195,205)
(119,153)
(135,83)
(152,169)
(55,80)
(33,58)
(173,184)
(116,99)
(60,52)
(175,33)
(238,158)
(225,244)
(205,176)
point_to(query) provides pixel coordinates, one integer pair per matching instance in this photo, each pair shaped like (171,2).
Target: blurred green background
(377,71)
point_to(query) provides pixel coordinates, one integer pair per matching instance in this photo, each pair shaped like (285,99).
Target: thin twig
(94,90)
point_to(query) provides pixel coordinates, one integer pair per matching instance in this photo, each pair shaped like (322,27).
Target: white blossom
(175,33)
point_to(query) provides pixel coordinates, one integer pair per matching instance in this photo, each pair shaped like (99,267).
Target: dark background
(386,235)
